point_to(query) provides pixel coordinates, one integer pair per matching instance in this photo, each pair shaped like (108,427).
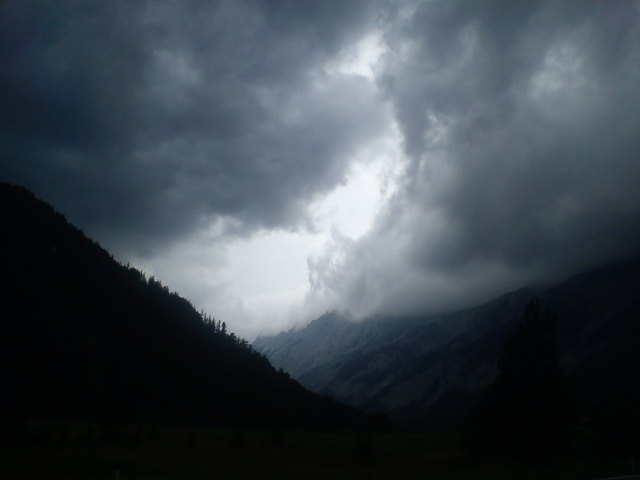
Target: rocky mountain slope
(429,370)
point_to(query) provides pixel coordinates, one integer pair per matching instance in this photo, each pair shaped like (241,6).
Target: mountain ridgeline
(83,337)
(428,372)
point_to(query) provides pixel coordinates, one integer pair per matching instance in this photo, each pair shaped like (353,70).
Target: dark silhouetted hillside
(83,337)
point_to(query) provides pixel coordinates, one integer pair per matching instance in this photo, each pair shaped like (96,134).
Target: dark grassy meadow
(42,450)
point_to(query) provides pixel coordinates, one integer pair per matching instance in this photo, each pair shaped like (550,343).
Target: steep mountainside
(85,338)
(429,370)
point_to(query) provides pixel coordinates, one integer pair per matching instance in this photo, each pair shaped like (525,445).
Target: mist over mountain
(430,370)
(84,338)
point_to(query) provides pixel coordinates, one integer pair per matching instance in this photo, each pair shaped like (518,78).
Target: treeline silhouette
(532,414)
(526,412)
(83,337)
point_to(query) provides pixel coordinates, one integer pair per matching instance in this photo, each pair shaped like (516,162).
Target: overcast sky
(271,160)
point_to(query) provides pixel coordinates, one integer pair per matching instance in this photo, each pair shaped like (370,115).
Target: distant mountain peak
(430,369)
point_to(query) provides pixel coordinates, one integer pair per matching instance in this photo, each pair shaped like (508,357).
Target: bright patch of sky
(265,278)
(360,58)
(259,284)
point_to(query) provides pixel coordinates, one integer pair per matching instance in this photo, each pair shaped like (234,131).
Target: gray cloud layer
(145,121)
(142,120)
(520,121)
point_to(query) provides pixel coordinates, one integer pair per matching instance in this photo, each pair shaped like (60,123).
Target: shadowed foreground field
(49,450)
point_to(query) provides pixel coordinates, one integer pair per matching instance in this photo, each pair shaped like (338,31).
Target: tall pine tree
(524,413)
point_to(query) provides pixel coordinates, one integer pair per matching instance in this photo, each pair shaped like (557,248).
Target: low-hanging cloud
(520,126)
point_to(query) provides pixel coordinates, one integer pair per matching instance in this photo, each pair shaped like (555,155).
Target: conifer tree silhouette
(524,413)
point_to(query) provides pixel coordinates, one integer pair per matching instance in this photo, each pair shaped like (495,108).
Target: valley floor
(88,452)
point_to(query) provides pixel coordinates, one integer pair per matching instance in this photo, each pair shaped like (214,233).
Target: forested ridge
(83,337)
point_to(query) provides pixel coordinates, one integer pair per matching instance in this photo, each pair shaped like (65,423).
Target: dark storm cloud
(520,123)
(144,120)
